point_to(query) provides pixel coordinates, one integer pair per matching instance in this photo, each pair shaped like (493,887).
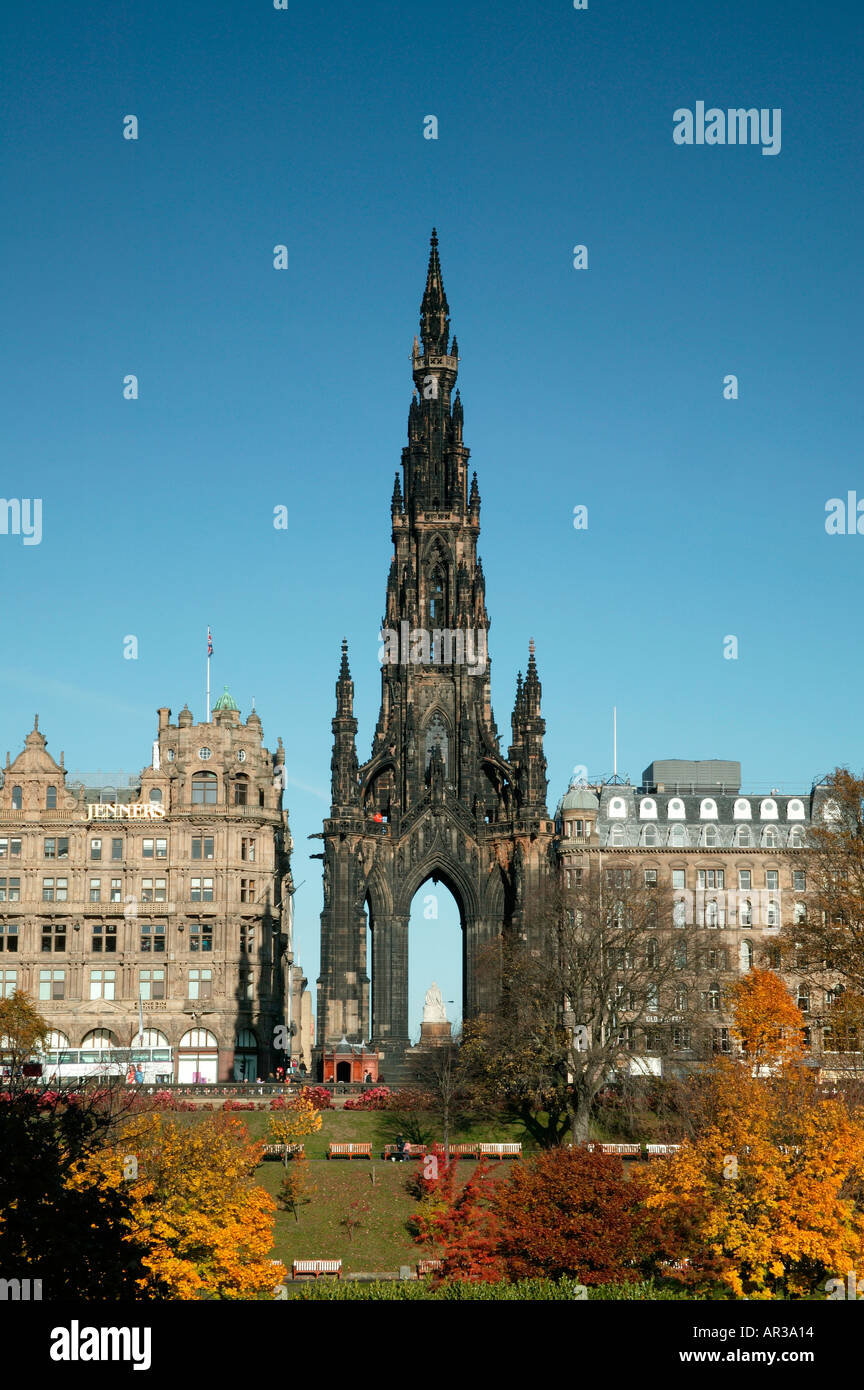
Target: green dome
(225,701)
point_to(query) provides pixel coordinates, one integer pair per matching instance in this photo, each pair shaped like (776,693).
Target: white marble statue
(433,1006)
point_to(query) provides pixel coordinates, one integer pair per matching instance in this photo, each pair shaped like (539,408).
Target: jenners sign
(123,810)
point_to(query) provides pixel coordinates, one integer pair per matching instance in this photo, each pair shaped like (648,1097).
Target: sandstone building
(176,891)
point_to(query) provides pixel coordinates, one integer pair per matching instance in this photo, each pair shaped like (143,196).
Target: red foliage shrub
(376,1099)
(319,1096)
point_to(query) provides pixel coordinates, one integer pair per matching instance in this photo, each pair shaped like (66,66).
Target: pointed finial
(531,647)
(433,240)
(35,723)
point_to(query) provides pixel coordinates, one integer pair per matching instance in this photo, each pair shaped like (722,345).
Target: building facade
(734,864)
(167,902)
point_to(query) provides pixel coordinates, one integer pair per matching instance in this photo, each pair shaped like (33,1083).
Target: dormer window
(795,809)
(648,808)
(17,798)
(675,809)
(51,799)
(708,809)
(768,809)
(741,809)
(617,808)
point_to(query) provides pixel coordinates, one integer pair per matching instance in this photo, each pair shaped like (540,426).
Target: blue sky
(601,387)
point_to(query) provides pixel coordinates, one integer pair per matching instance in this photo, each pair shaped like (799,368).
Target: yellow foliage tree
(207,1227)
(766,1196)
(295,1122)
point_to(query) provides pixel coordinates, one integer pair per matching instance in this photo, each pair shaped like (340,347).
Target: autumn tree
(206,1226)
(766,1195)
(23,1032)
(460,1226)
(296,1122)
(608,988)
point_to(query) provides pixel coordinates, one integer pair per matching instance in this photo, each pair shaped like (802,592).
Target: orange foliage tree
(765,1197)
(207,1228)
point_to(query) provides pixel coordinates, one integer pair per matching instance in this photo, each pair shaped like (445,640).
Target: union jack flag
(209,643)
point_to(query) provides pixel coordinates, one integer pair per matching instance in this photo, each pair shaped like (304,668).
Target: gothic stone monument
(437,799)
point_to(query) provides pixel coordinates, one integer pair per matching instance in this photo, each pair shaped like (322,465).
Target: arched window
(803,999)
(796,838)
(678,835)
(679,913)
(17,798)
(651,956)
(151,1037)
(245,1055)
(711,918)
(649,835)
(648,808)
(98,1038)
(709,836)
(795,809)
(205,789)
(51,799)
(681,999)
(745,955)
(741,810)
(617,808)
(745,913)
(55,1041)
(714,997)
(436,598)
(769,838)
(743,837)
(708,809)
(675,810)
(768,809)
(155,793)
(616,835)
(241,790)
(800,913)
(772,913)
(436,732)
(831,811)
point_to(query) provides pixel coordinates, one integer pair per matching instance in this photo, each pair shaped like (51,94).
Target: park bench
(500,1150)
(427,1267)
(411,1150)
(619,1150)
(316,1267)
(349,1151)
(281,1150)
(464,1150)
(661,1150)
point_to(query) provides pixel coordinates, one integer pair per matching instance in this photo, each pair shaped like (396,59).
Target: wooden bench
(619,1150)
(349,1151)
(316,1267)
(661,1150)
(409,1151)
(464,1150)
(427,1267)
(281,1150)
(500,1150)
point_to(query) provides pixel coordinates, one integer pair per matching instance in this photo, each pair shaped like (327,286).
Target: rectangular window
(615,878)
(52,984)
(772,878)
(49,848)
(679,878)
(247,939)
(102,984)
(201,890)
(161,849)
(200,936)
(117,848)
(200,984)
(116,890)
(720,1040)
(247,850)
(10,849)
(152,984)
(153,936)
(8,983)
(711,878)
(681,1039)
(147,849)
(47,890)
(10,890)
(95,890)
(799,880)
(202,847)
(247,889)
(104,936)
(54,936)
(8,936)
(743,878)
(650,878)
(62,890)
(146,890)
(95,849)
(247,986)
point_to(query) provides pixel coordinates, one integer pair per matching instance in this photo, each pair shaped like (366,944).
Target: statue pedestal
(435,1034)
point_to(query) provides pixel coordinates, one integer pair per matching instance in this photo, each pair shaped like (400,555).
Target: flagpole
(209,646)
